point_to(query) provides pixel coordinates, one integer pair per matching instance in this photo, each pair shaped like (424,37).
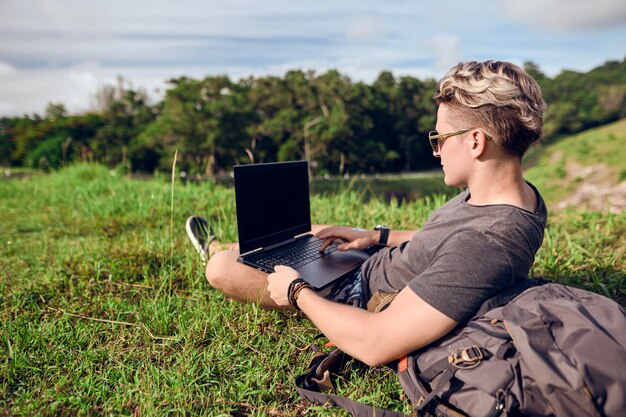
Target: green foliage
(579,101)
(25,134)
(7,145)
(205,121)
(557,171)
(341,126)
(48,154)
(105,309)
(126,114)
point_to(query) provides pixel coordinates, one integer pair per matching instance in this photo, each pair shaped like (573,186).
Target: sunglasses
(437,139)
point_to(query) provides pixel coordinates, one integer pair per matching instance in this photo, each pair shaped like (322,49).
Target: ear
(478,143)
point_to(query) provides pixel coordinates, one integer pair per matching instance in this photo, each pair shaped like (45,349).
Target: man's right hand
(351,238)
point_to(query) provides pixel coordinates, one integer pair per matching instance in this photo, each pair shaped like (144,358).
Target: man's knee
(219,267)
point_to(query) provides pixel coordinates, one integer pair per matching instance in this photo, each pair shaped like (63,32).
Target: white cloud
(446,48)
(364,29)
(28,91)
(64,50)
(163,17)
(567,14)
(6,69)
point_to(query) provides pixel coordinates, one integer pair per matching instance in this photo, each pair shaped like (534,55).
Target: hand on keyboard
(351,238)
(297,255)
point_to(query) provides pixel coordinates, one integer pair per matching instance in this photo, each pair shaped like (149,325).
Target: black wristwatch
(384,234)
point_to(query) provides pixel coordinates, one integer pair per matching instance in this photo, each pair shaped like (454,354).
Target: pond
(401,187)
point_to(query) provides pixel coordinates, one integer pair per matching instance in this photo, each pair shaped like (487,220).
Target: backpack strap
(354,407)
(318,378)
(464,358)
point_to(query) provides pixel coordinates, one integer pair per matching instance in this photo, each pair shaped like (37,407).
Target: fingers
(344,246)
(326,244)
(347,246)
(285,270)
(279,271)
(340,243)
(355,244)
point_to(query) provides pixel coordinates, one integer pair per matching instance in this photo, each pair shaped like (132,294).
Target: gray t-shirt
(463,255)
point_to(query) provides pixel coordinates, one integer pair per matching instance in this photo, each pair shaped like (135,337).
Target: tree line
(339,125)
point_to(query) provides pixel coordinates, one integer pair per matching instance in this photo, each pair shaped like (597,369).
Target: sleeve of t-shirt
(467,270)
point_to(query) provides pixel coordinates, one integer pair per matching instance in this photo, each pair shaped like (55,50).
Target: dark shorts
(351,289)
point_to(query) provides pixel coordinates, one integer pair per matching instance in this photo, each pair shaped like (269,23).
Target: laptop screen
(272,203)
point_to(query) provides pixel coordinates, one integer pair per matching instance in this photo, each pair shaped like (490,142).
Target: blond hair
(498,97)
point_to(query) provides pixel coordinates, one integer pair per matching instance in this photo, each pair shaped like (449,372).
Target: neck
(501,182)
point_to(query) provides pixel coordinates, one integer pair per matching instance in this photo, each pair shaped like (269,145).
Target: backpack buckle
(466,358)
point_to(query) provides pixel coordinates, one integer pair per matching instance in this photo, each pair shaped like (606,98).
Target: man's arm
(396,237)
(360,239)
(374,338)
(409,323)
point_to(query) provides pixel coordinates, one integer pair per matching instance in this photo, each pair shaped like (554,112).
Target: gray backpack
(547,350)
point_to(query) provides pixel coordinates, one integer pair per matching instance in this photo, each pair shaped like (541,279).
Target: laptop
(274,221)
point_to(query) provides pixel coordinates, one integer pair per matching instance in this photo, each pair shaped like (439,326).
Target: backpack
(538,349)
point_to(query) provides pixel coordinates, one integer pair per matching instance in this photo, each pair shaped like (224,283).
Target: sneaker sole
(196,244)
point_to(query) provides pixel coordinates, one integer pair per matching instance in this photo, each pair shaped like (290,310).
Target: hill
(586,170)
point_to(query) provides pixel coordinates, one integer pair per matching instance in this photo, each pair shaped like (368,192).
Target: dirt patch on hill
(599,189)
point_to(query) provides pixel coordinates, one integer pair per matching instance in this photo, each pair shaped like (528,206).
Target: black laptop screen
(272,203)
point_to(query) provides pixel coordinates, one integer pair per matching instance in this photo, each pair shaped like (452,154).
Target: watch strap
(384,234)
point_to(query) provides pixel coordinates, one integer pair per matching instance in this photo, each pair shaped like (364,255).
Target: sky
(64,51)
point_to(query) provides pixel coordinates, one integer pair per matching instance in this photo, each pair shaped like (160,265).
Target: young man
(478,244)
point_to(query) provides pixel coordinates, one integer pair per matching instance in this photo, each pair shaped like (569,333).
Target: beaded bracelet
(294,289)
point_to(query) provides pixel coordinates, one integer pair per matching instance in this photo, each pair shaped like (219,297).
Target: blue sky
(64,50)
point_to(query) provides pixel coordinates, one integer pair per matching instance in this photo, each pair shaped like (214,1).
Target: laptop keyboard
(296,255)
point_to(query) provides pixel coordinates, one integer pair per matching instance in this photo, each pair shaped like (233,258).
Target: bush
(49,153)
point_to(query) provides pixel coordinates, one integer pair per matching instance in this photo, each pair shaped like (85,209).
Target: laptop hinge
(243,255)
(274,246)
(278,245)
(267,248)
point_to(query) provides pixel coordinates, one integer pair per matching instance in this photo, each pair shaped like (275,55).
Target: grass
(105,309)
(554,165)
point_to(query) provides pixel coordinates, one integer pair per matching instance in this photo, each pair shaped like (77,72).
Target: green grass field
(558,166)
(105,309)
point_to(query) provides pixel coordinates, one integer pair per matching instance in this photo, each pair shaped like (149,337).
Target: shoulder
(449,206)
(474,246)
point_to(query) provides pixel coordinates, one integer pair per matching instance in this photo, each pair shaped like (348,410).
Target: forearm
(396,237)
(373,338)
(377,338)
(357,238)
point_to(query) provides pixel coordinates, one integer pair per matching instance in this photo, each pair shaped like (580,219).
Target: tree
(207,121)
(341,126)
(126,113)
(55,111)
(7,142)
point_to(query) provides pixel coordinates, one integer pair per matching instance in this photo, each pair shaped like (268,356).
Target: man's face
(453,151)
